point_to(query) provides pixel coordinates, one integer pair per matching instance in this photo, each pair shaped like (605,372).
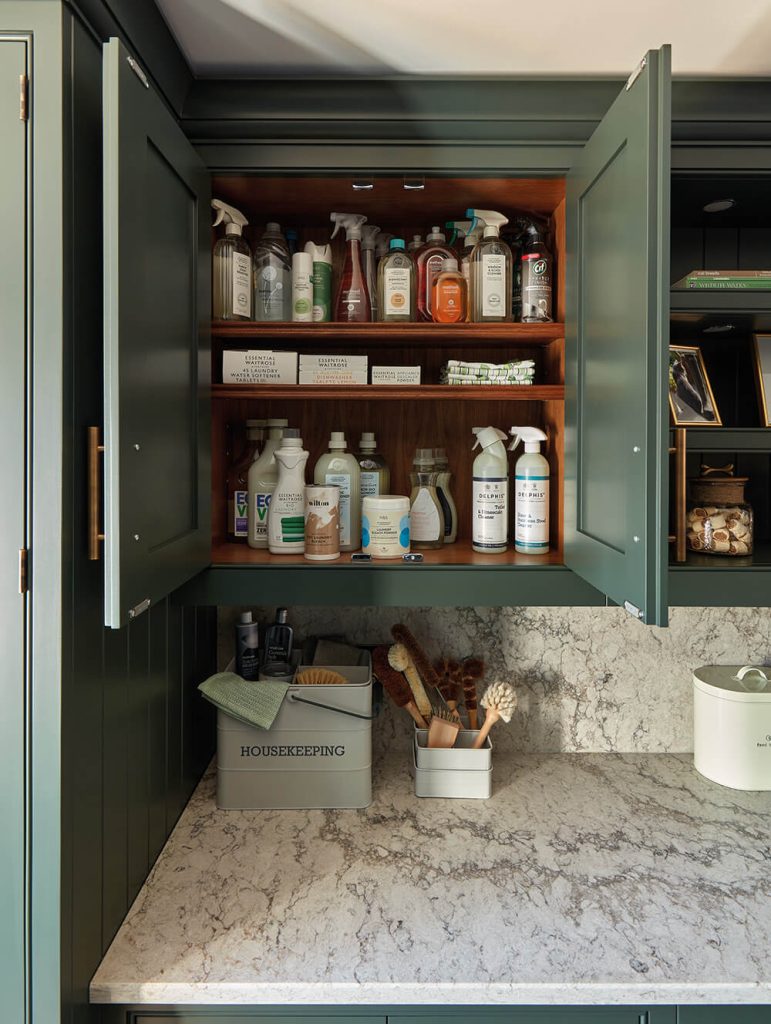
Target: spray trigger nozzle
(233,219)
(530,436)
(487,436)
(352,223)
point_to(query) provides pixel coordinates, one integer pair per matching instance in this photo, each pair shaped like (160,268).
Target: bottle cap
(367,440)
(255,423)
(435,234)
(302,263)
(386,503)
(246,618)
(449,265)
(396,243)
(232,229)
(277,423)
(290,433)
(337,439)
(440,455)
(281,615)
(273,227)
(491,231)
(424,457)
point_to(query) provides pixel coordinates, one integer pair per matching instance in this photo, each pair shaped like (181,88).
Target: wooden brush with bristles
(422,665)
(449,683)
(400,661)
(500,703)
(319,677)
(395,685)
(472,670)
(443,730)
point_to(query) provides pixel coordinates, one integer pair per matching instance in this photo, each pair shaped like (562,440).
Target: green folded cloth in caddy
(250,702)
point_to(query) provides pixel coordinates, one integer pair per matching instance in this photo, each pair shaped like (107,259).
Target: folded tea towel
(250,702)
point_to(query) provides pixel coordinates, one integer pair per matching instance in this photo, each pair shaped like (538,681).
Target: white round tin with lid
(732,725)
(385,525)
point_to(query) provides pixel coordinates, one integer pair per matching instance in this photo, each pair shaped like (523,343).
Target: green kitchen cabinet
(723,1014)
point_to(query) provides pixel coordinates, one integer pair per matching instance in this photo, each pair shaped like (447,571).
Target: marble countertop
(586,878)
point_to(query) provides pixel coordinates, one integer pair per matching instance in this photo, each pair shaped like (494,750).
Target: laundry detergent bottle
(490,493)
(286,514)
(352,305)
(531,493)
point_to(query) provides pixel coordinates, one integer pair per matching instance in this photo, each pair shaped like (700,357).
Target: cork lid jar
(719,520)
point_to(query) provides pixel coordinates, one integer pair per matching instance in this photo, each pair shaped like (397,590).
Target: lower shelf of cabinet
(458,555)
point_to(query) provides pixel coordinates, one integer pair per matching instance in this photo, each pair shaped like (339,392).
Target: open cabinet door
(157,243)
(617,340)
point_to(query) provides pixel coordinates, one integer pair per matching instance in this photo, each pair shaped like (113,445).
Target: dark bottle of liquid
(247,647)
(278,639)
(537,266)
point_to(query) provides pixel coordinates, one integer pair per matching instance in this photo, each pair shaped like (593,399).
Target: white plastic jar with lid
(385,525)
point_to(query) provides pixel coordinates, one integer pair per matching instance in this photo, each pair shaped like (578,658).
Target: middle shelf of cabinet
(391,393)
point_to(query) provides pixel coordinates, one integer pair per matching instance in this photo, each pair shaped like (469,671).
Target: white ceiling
(599,37)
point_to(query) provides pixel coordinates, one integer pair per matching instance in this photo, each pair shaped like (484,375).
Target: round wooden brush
(421,663)
(399,659)
(395,685)
(319,677)
(471,670)
(499,702)
(449,683)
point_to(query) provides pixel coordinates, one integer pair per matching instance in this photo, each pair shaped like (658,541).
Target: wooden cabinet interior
(402,418)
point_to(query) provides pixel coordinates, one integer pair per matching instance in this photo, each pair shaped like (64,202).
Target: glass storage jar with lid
(719,520)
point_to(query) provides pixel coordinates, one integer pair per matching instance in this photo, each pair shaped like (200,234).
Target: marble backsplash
(588,679)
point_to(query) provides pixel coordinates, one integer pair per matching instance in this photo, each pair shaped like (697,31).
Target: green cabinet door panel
(723,1014)
(539,1015)
(156,358)
(617,289)
(13,530)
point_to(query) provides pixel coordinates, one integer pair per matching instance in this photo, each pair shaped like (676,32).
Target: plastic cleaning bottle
(231,266)
(352,305)
(247,647)
(415,244)
(396,284)
(261,483)
(237,483)
(321,256)
(490,493)
(286,513)
(341,468)
(537,265)
(460,228)
(469,242)
(449,300)
(302,288)
(375,474)
(491,263)
(429,259)
(272,276)
(426,516)
(443,492)
(531,493)
(369,233)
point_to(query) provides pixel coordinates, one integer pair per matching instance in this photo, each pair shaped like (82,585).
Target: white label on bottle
(370,483)
(242,285)
(493,285)
(396,286)
(531,512)
(343,481)
(491,512)
(425,523)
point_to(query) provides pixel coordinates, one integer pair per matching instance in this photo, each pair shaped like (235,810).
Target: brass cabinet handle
(95,449)
(679,451)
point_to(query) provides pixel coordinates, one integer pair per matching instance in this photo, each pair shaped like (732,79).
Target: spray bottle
(369,259)
(531,493)
(537,275)
(382,245)
(491,263)
(321,256)
(490,493)
(469,242)
(460,228)
(286,514)
(231,266)
(352,305)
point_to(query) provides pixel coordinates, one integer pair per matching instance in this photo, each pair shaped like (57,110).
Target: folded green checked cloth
(250,702)
(487,381)
(460,366)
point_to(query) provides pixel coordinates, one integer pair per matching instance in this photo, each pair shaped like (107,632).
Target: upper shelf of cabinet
(378,334)
(393,393)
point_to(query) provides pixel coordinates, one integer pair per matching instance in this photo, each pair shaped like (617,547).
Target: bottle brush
(395,685)
(500,702)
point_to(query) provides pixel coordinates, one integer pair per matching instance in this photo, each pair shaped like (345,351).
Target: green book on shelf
(725,280)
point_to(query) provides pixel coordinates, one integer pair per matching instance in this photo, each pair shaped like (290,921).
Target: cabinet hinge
(636,73)
(633,610)
(138,72)
(23,570)
(23,98)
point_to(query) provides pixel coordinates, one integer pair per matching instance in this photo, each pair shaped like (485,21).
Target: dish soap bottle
(286,513)
(429,259)
(261,483)
(340,467)
(321,257)
(369,232)
(426,516)
(272,276)
(491,263)
(396,284)
(375,474)
(537,266)
(531,493)
(449,300)
(490,493)
(446,500)
(279,637)
(237,483)
(231,267)
(352,305)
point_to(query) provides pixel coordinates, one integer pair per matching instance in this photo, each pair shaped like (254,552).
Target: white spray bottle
(490,493)
(531,493)
(231,266)
(491,270)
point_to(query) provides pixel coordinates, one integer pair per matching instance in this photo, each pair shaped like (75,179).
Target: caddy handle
(95,449)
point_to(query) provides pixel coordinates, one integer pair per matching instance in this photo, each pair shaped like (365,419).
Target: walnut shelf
(393,393)
(439,335)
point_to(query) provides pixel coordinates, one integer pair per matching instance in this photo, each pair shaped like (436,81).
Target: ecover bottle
(261,483)
(491,267)
(531,493)
(286,513)
(231,267)
(237,482)
(426,516)
(396,285)
(341,468)
(490,493)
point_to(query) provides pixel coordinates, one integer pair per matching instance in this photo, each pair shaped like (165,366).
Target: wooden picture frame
(762,353)
(691,400)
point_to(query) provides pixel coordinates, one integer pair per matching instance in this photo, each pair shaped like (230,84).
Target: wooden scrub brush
(395,685)
(319,677)
(471,670)
(400,661)
(500,702)
(449,683)
(443,730)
